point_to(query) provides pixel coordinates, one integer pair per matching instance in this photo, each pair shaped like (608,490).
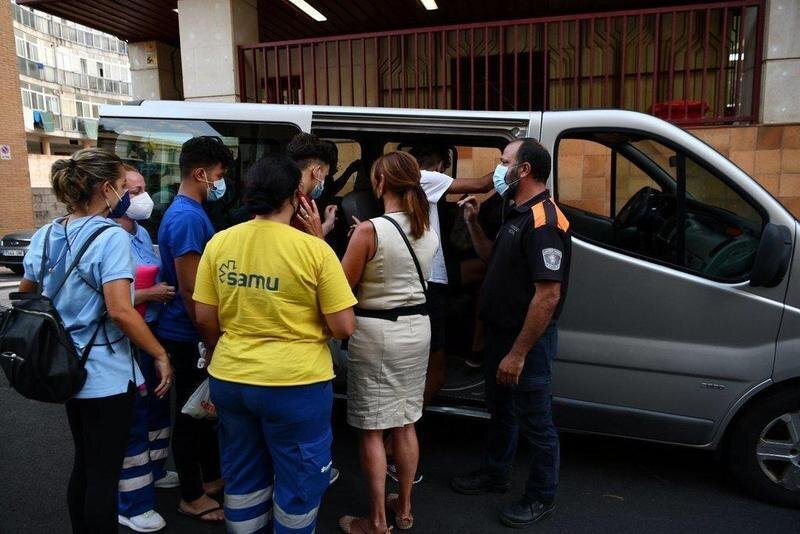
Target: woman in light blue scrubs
(95,298)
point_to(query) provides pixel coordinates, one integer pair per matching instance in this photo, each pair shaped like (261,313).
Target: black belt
(394,313)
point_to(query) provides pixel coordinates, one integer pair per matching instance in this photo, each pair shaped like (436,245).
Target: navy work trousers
(523,409)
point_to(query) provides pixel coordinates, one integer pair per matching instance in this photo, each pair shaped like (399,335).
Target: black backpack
(36,350)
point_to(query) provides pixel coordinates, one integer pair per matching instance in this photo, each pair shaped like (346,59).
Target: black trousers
(100,429)
(195,447)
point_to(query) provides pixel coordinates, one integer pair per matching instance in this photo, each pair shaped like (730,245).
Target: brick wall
(770,154)
(16,212)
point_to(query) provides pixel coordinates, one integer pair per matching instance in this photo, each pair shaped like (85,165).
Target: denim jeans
(525,408)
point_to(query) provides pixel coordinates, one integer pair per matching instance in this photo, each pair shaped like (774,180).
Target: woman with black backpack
(91,256)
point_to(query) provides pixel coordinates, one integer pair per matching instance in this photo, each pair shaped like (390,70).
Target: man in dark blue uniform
(521,300)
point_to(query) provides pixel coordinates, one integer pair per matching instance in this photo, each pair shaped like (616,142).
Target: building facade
(66,71)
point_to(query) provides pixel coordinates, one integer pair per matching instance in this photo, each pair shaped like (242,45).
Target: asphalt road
(9,282)
(607,485)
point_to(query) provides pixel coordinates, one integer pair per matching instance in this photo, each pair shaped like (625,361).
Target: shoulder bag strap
(413,255)
(43,265)
(78,257)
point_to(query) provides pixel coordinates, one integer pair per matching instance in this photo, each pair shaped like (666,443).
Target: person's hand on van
(471,208)
(309,218)
(330,219)
(510,368)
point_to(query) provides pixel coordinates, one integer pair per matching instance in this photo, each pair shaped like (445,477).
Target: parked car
(13,248)
(682,323)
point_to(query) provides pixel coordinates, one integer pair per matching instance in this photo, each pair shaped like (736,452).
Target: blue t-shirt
(80,303)
(143,254)
(185,229)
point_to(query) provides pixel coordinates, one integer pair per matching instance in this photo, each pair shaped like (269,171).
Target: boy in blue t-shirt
(182,236)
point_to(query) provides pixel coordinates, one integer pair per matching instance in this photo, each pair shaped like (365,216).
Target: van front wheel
(764,449)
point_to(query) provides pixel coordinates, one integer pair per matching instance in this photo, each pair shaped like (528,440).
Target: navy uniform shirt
(533,244)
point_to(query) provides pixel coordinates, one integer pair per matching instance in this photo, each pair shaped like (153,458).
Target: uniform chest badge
(552,258)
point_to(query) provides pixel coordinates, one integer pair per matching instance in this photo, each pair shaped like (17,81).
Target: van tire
(745,437)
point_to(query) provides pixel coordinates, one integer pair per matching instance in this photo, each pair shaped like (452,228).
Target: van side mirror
(773,256)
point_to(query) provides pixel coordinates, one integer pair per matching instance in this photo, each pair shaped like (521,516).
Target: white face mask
(141,207)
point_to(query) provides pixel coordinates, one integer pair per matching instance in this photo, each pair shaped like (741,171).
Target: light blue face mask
(499,179)
(216,191)
(317,191)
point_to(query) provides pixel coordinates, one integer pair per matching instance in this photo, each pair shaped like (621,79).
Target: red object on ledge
(679,110)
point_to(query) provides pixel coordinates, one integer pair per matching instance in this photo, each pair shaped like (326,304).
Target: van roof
(256,111)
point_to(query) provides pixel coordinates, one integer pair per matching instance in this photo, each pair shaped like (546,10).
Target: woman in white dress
(388,353)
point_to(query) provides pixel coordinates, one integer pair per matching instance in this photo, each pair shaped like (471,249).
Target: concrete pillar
(16,202)
(155,71)
(46,146)
(780,82)
(210,31)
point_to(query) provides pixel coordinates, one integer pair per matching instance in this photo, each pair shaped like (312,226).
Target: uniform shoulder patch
(552,258)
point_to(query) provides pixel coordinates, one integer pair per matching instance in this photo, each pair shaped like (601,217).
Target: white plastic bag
(199,404)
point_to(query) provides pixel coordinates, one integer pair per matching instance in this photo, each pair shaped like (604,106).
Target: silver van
(682,323)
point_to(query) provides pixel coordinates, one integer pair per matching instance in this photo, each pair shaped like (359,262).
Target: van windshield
(153,147)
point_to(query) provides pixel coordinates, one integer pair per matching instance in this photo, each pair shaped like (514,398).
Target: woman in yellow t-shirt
(268,297)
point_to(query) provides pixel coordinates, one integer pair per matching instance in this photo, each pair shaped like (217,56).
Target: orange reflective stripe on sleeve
(563,223)
(539,217)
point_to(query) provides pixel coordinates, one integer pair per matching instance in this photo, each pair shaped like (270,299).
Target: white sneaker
(169,480)
(150,521)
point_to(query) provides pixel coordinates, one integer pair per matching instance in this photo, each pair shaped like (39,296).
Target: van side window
(153,146)
(639,196)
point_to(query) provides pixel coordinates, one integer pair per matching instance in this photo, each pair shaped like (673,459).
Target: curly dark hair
(334,164)
(431,155)
(204,151)
(268,184)
(306,148)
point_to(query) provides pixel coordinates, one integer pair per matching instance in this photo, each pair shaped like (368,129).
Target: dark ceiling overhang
(146,20)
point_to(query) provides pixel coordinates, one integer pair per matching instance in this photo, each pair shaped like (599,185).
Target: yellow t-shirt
(271,284)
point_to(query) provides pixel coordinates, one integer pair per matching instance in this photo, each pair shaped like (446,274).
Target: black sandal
(201,515)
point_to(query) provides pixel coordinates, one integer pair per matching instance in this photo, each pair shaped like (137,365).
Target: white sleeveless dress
(388,360)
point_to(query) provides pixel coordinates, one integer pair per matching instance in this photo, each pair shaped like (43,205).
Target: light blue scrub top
(143,254)
(109,366)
